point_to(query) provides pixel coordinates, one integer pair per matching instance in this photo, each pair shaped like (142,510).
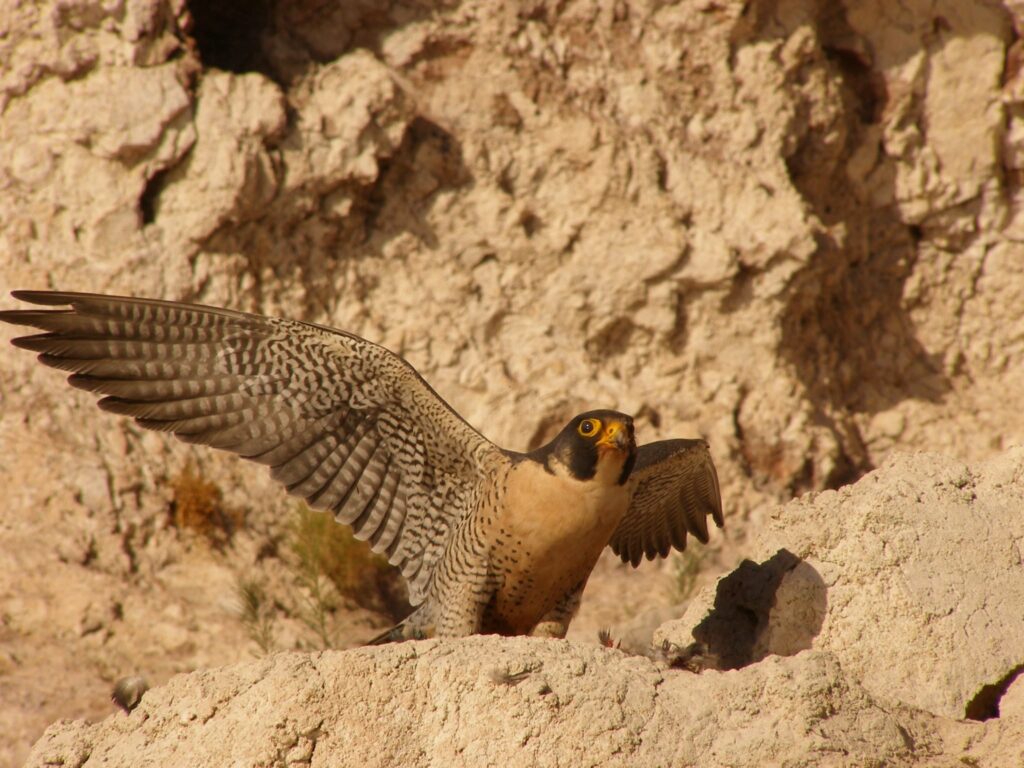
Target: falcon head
(596,445)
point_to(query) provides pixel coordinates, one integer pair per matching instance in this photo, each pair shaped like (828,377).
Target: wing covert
(342,422)
(674,489)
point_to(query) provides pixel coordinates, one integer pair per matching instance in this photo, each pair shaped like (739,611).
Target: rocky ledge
(880,624)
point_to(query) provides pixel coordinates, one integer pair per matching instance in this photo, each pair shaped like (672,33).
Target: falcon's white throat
(610,463)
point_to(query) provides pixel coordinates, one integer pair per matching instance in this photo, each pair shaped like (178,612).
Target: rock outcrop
(872,646)
(913,578)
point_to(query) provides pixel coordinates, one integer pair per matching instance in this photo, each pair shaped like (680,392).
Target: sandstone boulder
(913,578)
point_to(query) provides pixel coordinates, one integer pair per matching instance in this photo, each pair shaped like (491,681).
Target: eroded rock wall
(791,227)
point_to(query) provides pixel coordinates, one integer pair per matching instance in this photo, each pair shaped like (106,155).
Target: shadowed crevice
(846,329)
(985,704)
(149,200)
(228,33)
(752,619)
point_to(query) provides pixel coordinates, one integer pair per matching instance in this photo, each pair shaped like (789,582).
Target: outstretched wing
(341,422)
(674,489)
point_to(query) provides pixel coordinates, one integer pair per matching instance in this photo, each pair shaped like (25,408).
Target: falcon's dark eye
(588,427)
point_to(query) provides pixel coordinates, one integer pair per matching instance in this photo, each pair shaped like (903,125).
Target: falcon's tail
(410,628)
(394,635)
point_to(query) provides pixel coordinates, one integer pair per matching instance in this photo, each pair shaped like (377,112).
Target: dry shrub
(198,505)
(689,564)
(326,550)
(257,612)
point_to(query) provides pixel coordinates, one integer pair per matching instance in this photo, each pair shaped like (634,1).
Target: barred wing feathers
(343,423)
(674,489)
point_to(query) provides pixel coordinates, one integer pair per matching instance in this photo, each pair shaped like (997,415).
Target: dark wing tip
(716,492)
(718,516)
(34,317)
(110,403)
(629,555)
(23,317)
(45,298)
(34,343)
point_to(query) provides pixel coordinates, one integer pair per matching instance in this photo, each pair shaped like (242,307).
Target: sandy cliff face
(790,227)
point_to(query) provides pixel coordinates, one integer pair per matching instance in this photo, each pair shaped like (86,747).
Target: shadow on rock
(775,607)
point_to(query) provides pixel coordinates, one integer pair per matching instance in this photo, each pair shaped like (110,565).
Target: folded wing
(343,423)
(674,490)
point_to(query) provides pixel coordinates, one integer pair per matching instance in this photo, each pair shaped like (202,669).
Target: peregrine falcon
(488,539)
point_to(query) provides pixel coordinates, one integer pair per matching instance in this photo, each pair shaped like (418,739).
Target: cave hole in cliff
(749,621)
(985,704)
(229,33)
(149,200)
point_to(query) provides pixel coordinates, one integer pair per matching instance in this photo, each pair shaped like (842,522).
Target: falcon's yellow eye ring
(589,427)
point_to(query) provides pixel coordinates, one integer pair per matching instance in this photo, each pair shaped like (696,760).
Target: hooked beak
(616,435)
